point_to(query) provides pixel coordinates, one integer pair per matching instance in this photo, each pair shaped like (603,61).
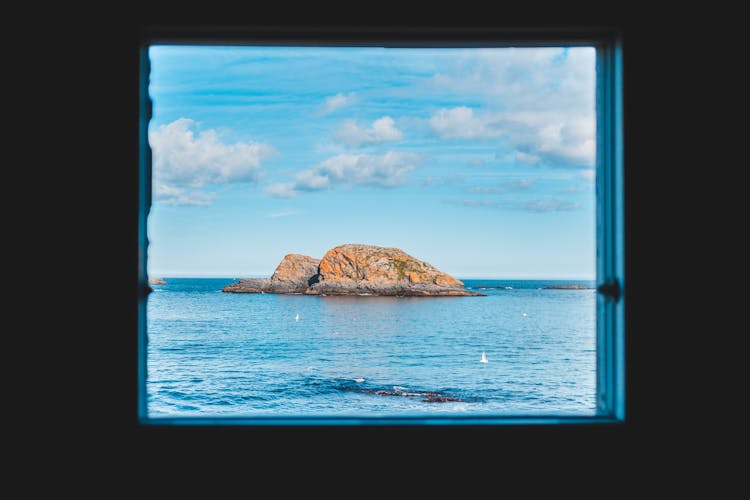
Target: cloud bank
(537,137)
(562,79)
(383,171)
(185,160)
(351,134)
(537,101)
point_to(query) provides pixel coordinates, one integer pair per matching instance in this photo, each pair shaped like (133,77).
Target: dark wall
(101,83)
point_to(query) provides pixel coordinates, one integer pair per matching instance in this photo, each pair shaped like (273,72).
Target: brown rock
(296,270)
(293,275)
(355,270)
(413,277)
(248,285)
(369,269)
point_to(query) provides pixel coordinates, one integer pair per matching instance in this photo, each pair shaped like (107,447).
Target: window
(389,142)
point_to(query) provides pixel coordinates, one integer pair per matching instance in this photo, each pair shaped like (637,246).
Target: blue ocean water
(220,354)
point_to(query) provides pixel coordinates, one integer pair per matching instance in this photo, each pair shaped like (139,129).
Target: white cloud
(443,180)
(525,78)
(551,138)
(529,159)
(538,101)
(504,187)
(460,123)
(281,190)
(286,213)
(549,206)
(385,171)
(382,130)
(182,157)
(312,180)
(174,196)
(474,203)
(536,206)
(338,101)
(538,137)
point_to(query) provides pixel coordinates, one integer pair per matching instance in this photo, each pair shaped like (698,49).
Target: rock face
(363,269)
(293,275)
(356,270)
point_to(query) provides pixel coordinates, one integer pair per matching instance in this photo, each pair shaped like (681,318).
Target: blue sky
(479,161)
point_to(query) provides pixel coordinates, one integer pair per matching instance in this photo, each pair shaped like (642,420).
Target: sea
(522,349)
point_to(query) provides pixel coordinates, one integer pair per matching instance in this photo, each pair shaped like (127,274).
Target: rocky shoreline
(354,269)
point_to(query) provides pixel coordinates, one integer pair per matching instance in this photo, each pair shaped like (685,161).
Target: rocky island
(567,287)
(355,270)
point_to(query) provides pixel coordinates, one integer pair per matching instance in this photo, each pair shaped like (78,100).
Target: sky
(478,161)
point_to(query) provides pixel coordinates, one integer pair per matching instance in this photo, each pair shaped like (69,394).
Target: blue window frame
(610,196)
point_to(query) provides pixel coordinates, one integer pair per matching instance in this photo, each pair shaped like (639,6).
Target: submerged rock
(356,270)
(426,397)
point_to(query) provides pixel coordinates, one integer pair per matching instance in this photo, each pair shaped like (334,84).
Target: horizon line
(457,276)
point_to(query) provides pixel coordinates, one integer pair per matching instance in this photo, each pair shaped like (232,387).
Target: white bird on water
(484,358)
(296,318)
